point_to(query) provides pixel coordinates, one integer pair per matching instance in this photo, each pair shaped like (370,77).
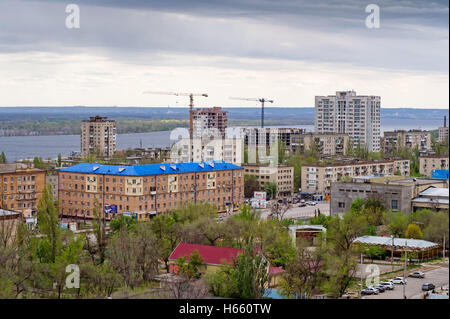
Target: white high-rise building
(348,113)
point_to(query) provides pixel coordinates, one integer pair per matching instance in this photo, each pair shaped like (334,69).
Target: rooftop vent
(162,167)
(211,164)
(173,166)
(121,169)
(202,165)
(95,168)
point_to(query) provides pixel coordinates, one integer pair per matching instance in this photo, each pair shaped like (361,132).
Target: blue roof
(150,169)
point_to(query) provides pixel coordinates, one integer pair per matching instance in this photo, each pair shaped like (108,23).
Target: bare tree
(278,210)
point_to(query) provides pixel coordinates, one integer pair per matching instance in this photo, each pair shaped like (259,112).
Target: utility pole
(443,251)
(404,273)
(392,253)
(361,275)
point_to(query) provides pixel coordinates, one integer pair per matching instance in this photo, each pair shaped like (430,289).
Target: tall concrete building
(210,122)
(348,113)
(98,135)
(326,143)
(443,131)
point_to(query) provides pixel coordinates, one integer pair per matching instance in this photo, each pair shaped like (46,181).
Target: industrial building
(395,193)
(148,189)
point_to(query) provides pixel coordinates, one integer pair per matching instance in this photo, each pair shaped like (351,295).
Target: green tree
(48,221)
(271,189)
(250,273)
(122,222)
(251,185)
(190,268)
(413,231)
(3,158)
(167,232)
(281,151)
(59,161)
(397,223)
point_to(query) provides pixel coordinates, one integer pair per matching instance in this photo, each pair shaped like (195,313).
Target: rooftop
(211,254)
(150,169)
(14,167)
(398,242)
(351,162)
(303,227)
(4,212)
(435,192)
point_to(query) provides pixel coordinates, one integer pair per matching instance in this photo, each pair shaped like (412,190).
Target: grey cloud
(414,34)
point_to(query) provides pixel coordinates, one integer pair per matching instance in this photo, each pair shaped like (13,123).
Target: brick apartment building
(148,189)
(282,175)
(429,163)
(21,187)
(317,178)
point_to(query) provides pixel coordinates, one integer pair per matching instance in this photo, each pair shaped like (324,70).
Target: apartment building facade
(429,163)
(409,139)
(52,180)
(348,113)
(210,122)
(268,136)
(443,132)
(207,149)
(21,187)
(326,143)
(98,135)
(148,189)
(318,178)
(282,175)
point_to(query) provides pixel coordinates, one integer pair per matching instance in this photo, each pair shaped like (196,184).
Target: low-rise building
(9,221)
(429,163)
(20,187)
(151,188)
(215,257)
(433,198)
(394,192)
(281,175)
(317,178)
(411,139)
(325,143)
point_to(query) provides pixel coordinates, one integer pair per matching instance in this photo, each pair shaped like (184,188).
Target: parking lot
(303,212)
(439,276)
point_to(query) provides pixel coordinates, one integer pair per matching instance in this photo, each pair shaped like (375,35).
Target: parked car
(380,288)
(417,274)
(399,281)
(428,287)
(369,291)
(388,285)
(311,203)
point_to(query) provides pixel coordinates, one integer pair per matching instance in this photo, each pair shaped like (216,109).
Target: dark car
(428,287)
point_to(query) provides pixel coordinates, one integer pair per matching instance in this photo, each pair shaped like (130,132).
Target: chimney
(445,121)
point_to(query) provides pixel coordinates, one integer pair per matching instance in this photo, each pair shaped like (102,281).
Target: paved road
(303,212)
(439,277)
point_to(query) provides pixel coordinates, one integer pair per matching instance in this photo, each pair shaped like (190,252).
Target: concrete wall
(343,194)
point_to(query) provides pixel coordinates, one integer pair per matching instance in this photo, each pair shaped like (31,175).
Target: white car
(311,203)
(399,280)
(388,285)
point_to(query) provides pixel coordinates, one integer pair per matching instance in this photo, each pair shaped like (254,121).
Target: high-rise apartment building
(98,136)
(147,190)
(443,131)
(210,122)
(348,113)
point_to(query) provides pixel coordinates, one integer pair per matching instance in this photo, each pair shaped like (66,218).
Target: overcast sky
(289,51)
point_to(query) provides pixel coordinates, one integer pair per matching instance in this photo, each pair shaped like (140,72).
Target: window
(394,204)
